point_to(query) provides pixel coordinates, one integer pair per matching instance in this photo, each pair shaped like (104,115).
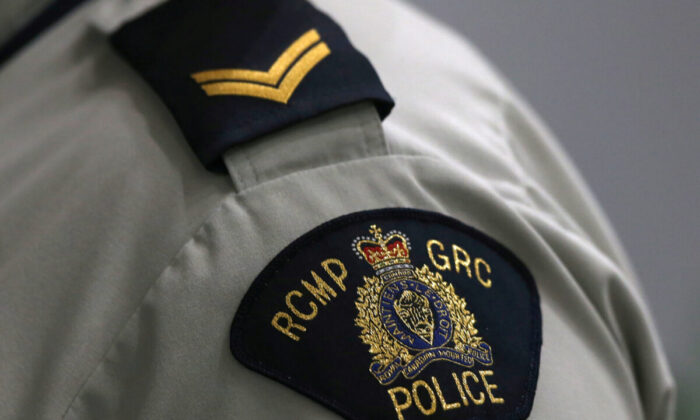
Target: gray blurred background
(619,84)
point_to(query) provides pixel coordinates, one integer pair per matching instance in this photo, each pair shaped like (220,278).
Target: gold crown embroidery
(411,317)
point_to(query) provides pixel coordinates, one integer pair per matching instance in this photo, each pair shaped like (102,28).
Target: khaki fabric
(16,13)
(122,261)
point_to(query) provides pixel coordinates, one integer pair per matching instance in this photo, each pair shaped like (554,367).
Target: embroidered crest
(384,325)
(411,317)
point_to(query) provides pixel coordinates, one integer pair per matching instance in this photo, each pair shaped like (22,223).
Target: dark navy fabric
(433,320)
(36,26)
(181,37)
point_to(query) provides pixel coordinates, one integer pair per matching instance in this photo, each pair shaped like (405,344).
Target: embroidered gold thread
(301,304)
(464,261)
(287,330)
(486,283)
(445,261)
(265,84)
(270,77)
(470,374)
(465,401)
(489,387)
(321,291)
(417,400)
(445,405)
(280,94)
(400,407)
(297,312)
(337,277)
(457,260)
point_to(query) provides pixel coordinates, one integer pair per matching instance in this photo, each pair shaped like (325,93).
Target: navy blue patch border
(262,281)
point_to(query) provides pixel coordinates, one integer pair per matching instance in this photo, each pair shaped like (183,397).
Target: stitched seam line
(177,255)
(219,208)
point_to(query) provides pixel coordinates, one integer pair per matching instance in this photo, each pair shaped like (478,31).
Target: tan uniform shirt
(122,261)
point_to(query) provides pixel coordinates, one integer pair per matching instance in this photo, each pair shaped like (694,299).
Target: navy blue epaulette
(232,71)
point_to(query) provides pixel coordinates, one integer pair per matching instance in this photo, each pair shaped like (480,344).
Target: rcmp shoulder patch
(232,71)
(396,313)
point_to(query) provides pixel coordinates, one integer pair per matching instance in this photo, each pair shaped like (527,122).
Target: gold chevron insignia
(294,64)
